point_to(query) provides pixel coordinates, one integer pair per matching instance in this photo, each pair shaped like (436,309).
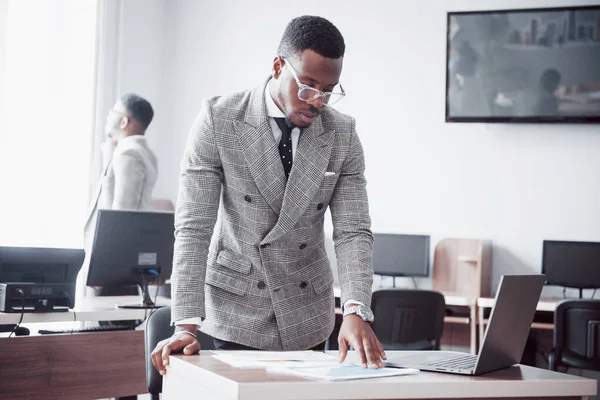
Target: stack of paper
(279,359)
(346,372)
(309,364)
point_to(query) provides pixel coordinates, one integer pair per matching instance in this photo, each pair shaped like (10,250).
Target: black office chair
(408,319)
(158,327)
(576,335)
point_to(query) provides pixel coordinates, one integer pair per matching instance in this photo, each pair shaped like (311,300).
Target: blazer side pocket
(234,261)
(226,282)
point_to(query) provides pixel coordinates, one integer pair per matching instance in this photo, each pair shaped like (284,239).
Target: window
(47,71)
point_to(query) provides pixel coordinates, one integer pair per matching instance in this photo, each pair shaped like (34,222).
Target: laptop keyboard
(462,362)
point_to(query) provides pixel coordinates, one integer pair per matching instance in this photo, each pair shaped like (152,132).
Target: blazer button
(262,246)
(320,206)
(303,285)
(261,285)
(248,198)
(302,246)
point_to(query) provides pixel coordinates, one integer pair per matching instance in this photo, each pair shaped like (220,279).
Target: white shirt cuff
(350,301)
(190,321)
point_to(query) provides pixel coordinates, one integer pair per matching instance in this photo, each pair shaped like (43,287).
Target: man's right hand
(174,344)
(107,148)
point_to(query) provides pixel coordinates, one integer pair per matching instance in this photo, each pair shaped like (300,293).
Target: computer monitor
(571,264)
(401,255)
(53,268)
(132,247)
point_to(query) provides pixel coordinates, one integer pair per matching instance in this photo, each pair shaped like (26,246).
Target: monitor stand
(146,303)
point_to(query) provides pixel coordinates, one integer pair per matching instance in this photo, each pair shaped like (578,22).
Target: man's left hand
(358,333)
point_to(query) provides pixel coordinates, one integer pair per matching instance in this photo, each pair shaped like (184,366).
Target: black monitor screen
(131,247)
(527,65)
(40,265)
(571,264)
(43,266)
(401,255)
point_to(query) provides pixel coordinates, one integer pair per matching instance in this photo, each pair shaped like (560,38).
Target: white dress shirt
(272,112)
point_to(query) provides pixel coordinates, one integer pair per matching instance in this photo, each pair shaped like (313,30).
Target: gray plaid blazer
(265,281)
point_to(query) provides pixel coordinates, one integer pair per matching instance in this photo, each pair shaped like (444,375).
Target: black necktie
(285,145)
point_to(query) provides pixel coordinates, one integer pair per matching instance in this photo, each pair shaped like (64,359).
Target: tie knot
(285,125)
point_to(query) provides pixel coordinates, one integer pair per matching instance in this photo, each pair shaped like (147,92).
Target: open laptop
(505,337)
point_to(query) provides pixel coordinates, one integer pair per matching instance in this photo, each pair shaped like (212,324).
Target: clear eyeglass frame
(308,93)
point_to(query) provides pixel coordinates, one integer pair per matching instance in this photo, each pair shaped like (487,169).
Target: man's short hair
(139,108)
(312,33)
(550,79)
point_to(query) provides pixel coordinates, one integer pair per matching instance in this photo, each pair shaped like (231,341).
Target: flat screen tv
(529,65)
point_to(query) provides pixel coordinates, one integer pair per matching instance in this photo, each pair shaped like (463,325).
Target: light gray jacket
(266,281)
(127,181)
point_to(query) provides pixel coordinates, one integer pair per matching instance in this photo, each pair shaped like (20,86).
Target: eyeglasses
(308,94)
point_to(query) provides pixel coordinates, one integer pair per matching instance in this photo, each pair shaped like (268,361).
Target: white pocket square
(328,173)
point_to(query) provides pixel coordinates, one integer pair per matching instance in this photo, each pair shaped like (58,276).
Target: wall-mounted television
(528,65)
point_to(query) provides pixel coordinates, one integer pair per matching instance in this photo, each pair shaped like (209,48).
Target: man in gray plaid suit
(269,162)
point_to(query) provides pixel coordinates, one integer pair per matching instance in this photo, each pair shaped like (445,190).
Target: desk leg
(481,311)
(473,326)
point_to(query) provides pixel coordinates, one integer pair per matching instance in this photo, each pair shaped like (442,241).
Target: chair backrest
(577,334)
(158,327)
(463,267)
(408,319)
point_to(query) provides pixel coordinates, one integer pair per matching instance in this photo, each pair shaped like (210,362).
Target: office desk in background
(79,366)
(469,319)
(543,306)
(88,309)
(202,376)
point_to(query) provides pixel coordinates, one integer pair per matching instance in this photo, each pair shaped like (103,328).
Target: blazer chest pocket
(228,271)
(329,182)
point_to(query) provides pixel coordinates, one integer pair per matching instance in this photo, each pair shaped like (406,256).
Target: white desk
(471,321)
(88,309)
(78,366)
(201,376)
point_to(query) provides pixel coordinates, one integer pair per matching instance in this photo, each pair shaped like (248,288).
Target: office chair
(158,327)
(408,319)
(576,335)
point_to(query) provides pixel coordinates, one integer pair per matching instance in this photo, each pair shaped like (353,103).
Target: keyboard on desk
(88,329)
(463,362)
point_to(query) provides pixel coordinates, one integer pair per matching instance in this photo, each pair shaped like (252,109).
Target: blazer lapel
(96,197)
(308,170)
(260,150)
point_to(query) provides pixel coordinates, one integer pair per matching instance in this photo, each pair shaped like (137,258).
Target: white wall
(3,16)
(515,184)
